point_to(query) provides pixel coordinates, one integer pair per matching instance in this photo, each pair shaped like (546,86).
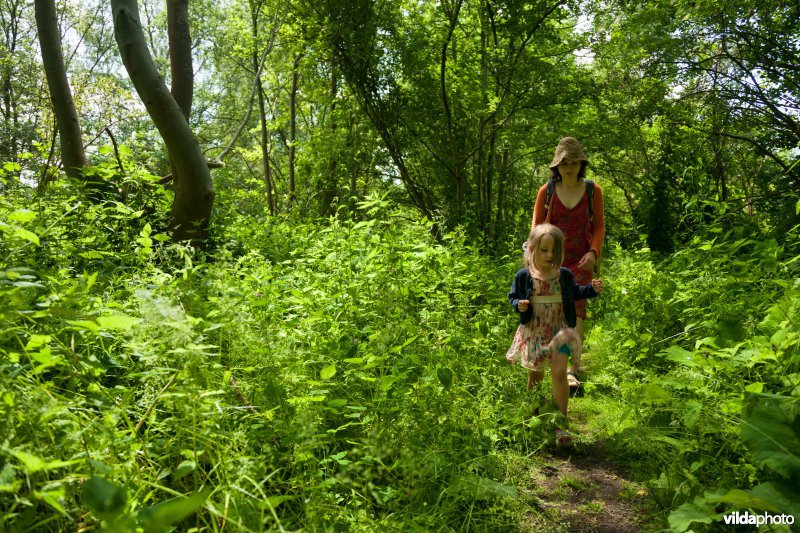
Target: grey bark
(194,191)
(73,156)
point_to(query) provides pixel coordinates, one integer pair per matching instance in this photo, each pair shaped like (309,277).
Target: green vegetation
(304,375)
(291,315)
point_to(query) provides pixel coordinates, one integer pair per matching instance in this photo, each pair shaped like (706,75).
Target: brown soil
(578,492)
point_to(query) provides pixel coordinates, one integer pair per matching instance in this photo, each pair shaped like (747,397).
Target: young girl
(544,294)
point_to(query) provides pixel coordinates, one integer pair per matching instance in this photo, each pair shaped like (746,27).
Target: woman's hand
(588,261)
(522,305)
(597,284)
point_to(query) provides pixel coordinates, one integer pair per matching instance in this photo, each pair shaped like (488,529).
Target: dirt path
(577,488)
(577,492)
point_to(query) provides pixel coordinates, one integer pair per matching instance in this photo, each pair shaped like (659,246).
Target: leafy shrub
(332,375)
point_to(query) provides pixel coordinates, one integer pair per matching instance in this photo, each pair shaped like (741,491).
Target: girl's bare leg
(558,371)
(534,378)
(576,367)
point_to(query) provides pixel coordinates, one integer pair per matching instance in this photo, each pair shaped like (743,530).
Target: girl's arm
(518,292)
(582,292)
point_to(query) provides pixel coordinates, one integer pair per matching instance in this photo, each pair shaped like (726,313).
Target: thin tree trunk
(69,127)
(262,110)
(194,192)
(330,188)
(490,165)
(8,145)
(501,189)
(293,127)
(480,156)
(456,166)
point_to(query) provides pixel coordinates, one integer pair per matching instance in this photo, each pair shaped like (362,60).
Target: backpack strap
(551,188)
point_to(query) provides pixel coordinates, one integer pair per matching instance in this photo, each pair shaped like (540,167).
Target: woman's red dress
(573,223)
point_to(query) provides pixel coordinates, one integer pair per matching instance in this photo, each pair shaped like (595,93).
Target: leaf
(475,487)
(93,254)
(43,356)
(33,463)
(651,393)
(328,372)
(681,518)
(745,500)
(755,387)
(106,499)
(183,469)
(274,501)
(387,382)
(784,495)
(121,322)
(445,376)
(771,431)
(691,413)
(22,215)
(682,356)
(35,341)
(162,515)
(8,479)
(89,325)
(51,497)
(27,235)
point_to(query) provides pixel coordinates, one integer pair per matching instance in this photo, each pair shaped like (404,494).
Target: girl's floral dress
(546,333)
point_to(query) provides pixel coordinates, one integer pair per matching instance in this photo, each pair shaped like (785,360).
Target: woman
(575,205)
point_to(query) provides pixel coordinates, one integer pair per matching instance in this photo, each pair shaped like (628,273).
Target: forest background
(272,295)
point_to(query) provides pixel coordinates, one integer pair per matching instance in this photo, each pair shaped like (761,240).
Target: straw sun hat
(568,148)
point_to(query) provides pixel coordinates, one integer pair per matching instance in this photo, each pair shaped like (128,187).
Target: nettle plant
(334,374)
(714,375)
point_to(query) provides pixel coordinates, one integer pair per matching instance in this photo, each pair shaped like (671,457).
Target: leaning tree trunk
(194,191)
(180,54)
(180,63)
(69,127)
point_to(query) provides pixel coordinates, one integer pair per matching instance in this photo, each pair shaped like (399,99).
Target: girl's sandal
(563,438)
(575,388)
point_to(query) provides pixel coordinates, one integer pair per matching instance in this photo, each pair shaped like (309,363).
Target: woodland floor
(576,488)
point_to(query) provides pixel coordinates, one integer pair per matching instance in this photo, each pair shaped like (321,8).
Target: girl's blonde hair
(532,244)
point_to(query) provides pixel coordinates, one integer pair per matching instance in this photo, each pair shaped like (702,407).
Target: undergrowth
(349,374)
(338,375)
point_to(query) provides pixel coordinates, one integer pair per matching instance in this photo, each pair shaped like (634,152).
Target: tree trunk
(194,192)
(499,225)
(69,128)
(456,163)
(329,185)
(491,164)
(180,63)
(8,140)
(180,54)
(293,128)
(255,8)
